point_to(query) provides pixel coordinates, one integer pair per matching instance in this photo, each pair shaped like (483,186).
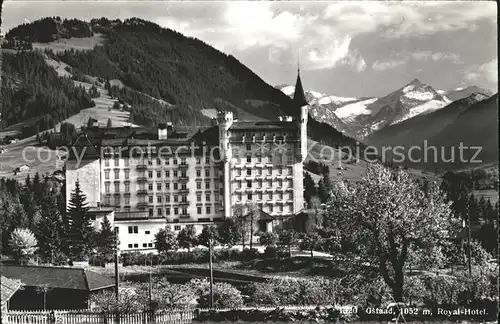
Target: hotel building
(143,179)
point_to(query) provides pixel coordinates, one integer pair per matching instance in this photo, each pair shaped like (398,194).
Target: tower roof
(298,96)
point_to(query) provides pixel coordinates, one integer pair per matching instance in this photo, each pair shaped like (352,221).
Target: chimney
(162,131)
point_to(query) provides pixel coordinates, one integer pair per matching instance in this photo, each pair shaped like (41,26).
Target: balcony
(184,216)
(183,166)
(183,191)
(183,178)
(142,205)
(142,192)
(142,179)
(183,203)
(141,167)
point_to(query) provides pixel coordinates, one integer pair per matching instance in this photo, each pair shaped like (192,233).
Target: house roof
(8,288)
(58,277)
(264,125)
(85,146)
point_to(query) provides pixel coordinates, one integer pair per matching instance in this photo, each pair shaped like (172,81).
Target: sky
(345,48)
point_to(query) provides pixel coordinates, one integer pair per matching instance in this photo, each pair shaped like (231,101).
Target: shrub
(271,252)
(225,295)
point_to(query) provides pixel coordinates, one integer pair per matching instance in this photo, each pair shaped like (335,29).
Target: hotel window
(216,184)
(176,211)
(249,172)
(290,196)
(198,173)
(269,171)
(150,186)
(238,185)
(130,246)
(280,171)
(167,198)
(167,161)
(167,185)
(127,174)
(259,184)
(183,160)
(184,199)
(150,244)
(249,196)
(207,209)
(160,212)
(198,210)
(150,162)
(270,195)
(127,187)
(117,201)
(259,172)
(249,147)
(150,199)
(198,185)
(175,161)
(270,184)
(216,196)
(259,196)
(290,183)
(249,159)
(106,174)
(177,227)
(207,196)
(270,208)
(127,200)
(117,174)
(207,160)
(176,186)
(238,172)
(207,172)
(183,186)
(249,184)
(207,185)
(106,162)
(150,174)
(290,209)
(239,197)
(158,186)
(280,195)
(117,162)
(167,211)
(133,229)
(158,161)
(158,174)
(176,174)
(167,174)
(280,208)
(290,170)
(136,245)
(183,174)
(184,211)
(107,201)
(117,187)
(217,208)
(176,198)
(126,162)
(158,199)
(198,160)
(198,197)
(144,245)
(280,183)
(106,187)
(127,208)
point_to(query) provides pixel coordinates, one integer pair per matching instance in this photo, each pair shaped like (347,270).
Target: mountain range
(360,117)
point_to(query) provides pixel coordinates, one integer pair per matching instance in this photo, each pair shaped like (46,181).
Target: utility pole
(117,280)
(251,229)
(150,285)
(211,272)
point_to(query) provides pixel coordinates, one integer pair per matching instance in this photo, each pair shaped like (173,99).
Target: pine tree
(323,193)
(49,230)
(109,124)
(80,231)
(107,240)
(309,187)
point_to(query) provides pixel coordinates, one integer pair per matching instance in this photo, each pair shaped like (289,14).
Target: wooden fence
(87,316)
(84,317)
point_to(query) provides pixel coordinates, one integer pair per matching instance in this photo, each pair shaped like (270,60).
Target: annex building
(143,178)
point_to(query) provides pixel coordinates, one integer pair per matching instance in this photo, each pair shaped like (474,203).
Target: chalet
(60,287)
(22,168)
(8,288)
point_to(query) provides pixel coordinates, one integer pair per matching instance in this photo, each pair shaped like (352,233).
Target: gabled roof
(57,277)
(8,288)
(84,149)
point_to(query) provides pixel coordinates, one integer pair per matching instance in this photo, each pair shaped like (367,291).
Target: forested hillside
(31,90)
(165,74)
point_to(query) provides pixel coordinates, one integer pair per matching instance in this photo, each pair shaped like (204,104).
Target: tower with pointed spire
(300,102)
(299,97)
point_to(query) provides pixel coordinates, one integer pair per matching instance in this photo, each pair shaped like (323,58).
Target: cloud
(435,56)
(483,72)
(386,65)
